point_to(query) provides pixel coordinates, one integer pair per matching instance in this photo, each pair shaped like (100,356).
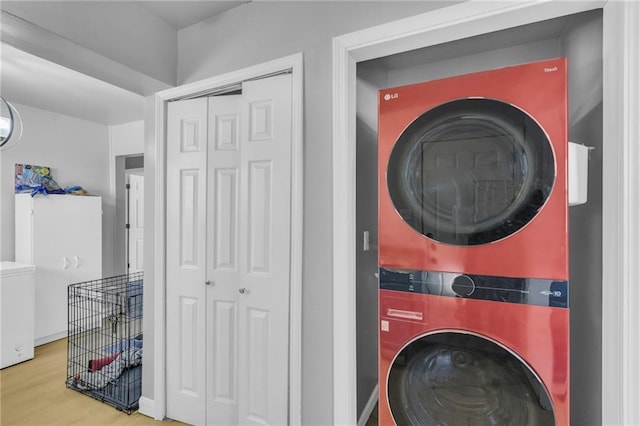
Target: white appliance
(62,236)
(16,313)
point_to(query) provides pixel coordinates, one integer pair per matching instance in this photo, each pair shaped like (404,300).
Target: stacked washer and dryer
(473,249)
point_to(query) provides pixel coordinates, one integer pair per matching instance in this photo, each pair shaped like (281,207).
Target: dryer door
(471,171)
(451,379)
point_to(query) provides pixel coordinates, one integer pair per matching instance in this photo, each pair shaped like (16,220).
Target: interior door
(223,263)
(264,247)
(136,223)
(186,267)
(243,359)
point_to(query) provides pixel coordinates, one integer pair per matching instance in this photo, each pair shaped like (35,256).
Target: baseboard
(147,407)
(368,409)
(50,338)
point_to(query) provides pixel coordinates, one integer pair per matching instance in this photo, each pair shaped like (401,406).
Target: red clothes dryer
(472,173)
(447,360)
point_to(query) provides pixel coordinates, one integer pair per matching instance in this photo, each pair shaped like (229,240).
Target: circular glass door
(470,172)
(452,379)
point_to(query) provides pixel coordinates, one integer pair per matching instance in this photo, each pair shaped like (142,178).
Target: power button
(463,285)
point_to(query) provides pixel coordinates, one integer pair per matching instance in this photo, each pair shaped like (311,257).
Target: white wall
(263,31)
(77,153)
(127,138)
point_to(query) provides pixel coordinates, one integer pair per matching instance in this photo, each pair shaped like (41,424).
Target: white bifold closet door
(228,254)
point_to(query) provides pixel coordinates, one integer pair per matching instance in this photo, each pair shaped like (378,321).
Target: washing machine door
(452,379)
(471,171)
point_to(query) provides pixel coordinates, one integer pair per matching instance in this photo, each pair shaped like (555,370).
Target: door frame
(294,63)
(621,202)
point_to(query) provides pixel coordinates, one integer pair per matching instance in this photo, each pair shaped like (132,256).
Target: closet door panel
(258,361)
(225,254)
(188,218)
(224,389)
(225,143)
(186,259)
(265,232)
(259,216)
(187,370)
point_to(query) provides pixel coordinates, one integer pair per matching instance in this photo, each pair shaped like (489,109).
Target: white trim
(297,230)
(621,209)
(621,203)
(147,407)
(50,338)
(294,63)
(631,250)
(159,307)
(369,407)
(457,22)
(344,242)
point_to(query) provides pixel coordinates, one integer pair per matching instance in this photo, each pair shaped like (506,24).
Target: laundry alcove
(579,38)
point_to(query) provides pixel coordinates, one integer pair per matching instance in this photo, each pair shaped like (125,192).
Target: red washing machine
(458,349)
(472,173)
(473,241)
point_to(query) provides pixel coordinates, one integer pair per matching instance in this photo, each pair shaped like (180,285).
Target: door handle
(242,290)
(65,262)
(76,260)
(208,282)
(400,313)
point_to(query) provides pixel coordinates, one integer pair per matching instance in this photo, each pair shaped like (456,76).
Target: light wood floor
(33,393)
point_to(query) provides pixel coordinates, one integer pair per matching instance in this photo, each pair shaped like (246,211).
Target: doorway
(125,167)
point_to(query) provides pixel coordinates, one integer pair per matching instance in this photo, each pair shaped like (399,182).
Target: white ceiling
(30,80)
(181,14)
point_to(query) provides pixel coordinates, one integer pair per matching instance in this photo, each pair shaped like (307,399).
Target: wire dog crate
(104,349)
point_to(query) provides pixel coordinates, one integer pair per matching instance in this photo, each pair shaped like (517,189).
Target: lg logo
(390,96)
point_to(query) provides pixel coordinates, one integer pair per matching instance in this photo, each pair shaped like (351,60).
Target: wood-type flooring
(33,393)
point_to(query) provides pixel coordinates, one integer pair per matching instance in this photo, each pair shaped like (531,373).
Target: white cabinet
(62,236)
